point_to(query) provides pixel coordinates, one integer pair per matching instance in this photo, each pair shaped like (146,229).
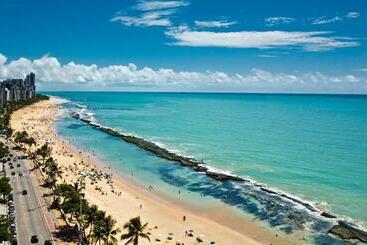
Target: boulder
(328,215)
(348,231)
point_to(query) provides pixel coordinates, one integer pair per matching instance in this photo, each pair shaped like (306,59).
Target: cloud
(362,69)
(267,56)
(352,15)
(310,41)
(49,72)
(215,23)
(152,18)
(157,5)
(326,20)
(152,13)
(271,21)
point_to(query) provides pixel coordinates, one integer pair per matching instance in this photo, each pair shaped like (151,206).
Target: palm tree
(44,152)
(30,141)
(104,230)
(53,171)
(92,215)
(110,231)
(134,231)
(21,137)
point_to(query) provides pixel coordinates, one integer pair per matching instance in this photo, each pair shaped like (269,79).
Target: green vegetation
(4,228)
(4,150)
(5,187)
(24,139)
(135,230)
(52,170)
(43,153)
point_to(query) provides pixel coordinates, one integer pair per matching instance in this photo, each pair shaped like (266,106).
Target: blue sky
(299,41)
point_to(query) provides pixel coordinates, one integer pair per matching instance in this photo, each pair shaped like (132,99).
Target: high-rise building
(17,89)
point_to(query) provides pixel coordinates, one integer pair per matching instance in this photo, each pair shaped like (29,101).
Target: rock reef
(348,231)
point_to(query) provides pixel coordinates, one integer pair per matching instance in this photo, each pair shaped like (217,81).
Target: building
(17,89)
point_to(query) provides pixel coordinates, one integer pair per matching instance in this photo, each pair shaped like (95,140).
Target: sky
(187,45)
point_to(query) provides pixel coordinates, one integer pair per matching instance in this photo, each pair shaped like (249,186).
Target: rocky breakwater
(164,153)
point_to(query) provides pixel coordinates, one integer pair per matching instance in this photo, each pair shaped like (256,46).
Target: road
(29,216)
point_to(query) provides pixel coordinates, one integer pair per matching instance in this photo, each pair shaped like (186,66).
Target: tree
(53,171)
(134,230)
(5,187)
(21,137)
(24,139)
(4,228)
(4,150)
(44,152)
(91,218)
(104,230)
(30,141)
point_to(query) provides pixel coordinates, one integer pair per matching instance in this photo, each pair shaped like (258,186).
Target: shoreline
(167,216)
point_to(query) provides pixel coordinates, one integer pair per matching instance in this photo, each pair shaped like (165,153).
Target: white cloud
(363,69)
(326,20)
(152,18)
(310,41)
(267,56)
(153,13)
(271,21)
(49,72)
(157,5)
(353,15)
(215,23)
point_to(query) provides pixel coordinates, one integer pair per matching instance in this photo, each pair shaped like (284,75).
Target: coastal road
(29,217)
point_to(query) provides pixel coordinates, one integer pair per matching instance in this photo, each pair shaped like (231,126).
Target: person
(184,218)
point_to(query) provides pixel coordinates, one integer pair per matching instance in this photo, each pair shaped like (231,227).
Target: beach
(124,200)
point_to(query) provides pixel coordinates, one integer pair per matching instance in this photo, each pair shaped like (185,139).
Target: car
(20,174)
(10,197)
(11,155)
(9,159)
(18,165)
(13,173)
(48,242)
(11,166)
(14,242)
(34,239)
(24,192)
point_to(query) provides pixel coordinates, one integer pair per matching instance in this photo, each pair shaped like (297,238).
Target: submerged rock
(222,176)
(328,215)
(348,231)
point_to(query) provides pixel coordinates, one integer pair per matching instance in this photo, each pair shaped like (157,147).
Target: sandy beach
(123,199)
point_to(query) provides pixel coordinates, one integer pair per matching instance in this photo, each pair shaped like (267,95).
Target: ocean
(311,148)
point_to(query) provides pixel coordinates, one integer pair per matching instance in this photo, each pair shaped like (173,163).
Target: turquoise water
(312,146)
